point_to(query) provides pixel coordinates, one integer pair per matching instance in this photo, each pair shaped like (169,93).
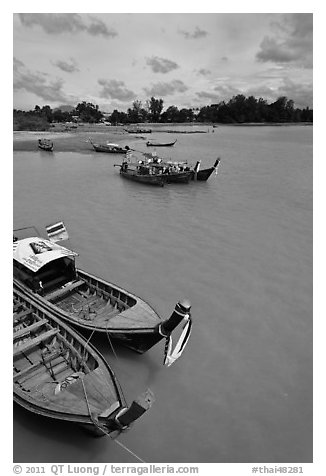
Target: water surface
(240,248)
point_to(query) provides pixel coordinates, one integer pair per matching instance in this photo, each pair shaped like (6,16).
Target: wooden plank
(36,365)
(30,328)
(23,313)
(33,342)
(65,290)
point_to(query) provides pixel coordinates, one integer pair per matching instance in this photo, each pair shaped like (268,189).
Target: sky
(187,59)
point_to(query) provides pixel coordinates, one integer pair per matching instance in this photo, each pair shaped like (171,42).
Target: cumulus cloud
(67,67)
(166,89)
(57,23)
(17,64)
(301,94)
(204,72)
(161,65)
(38,84)
(116,90)
(292,42)
(194,35)
(208,95)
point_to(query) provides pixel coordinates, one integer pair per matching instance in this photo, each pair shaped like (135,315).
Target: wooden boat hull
(138,131)
(101,306)
(109,149)
(152,144)
(178,177)
(157,180)
(58,374)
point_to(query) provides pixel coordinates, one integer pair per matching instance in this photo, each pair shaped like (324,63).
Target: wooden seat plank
(64,290)
(30,328)
(33,342)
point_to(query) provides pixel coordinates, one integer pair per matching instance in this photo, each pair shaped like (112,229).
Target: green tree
(87,112)
(155,108)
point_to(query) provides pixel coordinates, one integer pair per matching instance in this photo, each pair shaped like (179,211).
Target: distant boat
(109,148)
(160,144)
(60,375)
(138,131)
(46,273)
(45,144)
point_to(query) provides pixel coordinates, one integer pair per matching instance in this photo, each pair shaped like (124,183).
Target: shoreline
(77,139)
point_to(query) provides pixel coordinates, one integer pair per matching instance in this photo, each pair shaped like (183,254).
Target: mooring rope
(129,451)
(105,432)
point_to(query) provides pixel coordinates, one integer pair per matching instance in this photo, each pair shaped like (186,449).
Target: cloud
(211,96)
(65,66)
(166,89)
(161,65)
(204,72)
(37,84)
(301,94)
(115,89)
(17,64)
(292,42)
(57,23)
(197,33)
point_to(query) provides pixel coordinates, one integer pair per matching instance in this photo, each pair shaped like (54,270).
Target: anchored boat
(45,144)
(60,375)
(46,272)
(109,148)
(160,144)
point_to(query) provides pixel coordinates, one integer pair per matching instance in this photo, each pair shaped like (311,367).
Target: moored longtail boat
(109,148)
(138,131)
(160,144)
(60,375)
(180,172)
(46,273)
(45,144)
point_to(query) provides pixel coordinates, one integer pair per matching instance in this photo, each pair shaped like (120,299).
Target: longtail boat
(60,375)
(179,172)
(138,131)
(45,144)
(46,272)
(109,148)
(160,144)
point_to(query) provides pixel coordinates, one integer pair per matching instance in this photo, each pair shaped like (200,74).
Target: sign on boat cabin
(39,263)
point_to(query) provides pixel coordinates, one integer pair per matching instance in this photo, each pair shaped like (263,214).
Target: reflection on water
(240,248)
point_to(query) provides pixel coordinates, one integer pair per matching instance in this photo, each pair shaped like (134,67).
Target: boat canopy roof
(35,252)
(111,144)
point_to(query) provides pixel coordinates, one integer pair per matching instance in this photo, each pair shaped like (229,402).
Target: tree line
(238,110)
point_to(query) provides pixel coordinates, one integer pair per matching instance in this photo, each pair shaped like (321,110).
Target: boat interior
(45,352)
(74,291)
